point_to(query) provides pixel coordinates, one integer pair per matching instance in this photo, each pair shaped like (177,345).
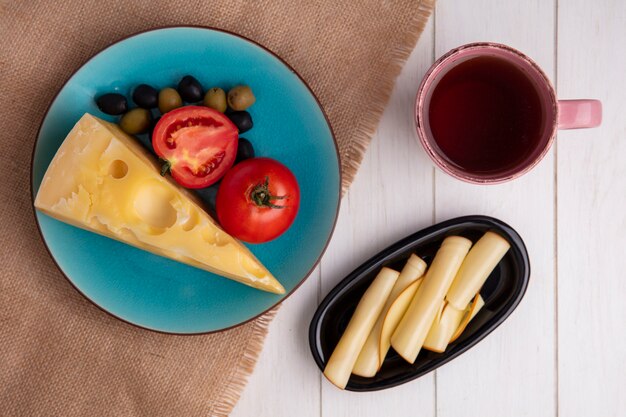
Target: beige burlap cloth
(60,355)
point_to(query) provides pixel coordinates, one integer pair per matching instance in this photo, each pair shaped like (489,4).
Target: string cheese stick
(476,267)
(411,332)
(341,362)
(413,269)
(368,361)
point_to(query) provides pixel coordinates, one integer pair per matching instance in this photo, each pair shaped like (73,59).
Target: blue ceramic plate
(158,293)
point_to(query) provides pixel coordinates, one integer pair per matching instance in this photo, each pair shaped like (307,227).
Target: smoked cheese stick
(342,360)
(476,268)
(394,315)
(412,330)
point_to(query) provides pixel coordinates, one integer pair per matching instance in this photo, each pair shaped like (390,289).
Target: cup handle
(577,114)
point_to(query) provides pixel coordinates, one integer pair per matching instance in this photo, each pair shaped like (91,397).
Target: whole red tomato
(258,200)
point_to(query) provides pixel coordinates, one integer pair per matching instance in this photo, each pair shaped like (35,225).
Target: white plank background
(563,351)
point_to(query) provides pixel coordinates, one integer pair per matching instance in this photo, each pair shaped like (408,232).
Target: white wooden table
(563,351)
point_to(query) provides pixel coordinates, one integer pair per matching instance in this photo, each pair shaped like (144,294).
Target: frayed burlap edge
(379,96)
(378,99)
(375,102)
(239,377)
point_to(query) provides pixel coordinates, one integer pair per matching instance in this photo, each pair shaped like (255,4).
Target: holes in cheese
(217,238)
(370,359)
(190,222)
(412,330)
(118,169)
(152,204)
(252,268)
(476,268)
(103,180)
(342,360)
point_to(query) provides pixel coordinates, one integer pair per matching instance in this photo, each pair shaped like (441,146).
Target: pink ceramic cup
(558,114)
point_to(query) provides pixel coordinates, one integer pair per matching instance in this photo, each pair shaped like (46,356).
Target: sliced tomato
(198,145)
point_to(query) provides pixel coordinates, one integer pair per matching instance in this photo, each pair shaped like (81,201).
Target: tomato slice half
(199,145)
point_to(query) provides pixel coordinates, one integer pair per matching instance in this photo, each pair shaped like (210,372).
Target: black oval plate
(502,293)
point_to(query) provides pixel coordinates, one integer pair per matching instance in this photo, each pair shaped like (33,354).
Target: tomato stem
(166,166)
(262,196)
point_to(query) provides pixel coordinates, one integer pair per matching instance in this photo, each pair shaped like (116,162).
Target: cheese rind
(102,180)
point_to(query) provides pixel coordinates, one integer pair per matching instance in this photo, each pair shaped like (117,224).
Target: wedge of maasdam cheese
(103,180)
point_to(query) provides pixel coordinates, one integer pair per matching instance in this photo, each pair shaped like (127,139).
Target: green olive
(215,98)
(135,121)
(240,97)
(169,99)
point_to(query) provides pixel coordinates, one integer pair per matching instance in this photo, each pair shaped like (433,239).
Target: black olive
(146,96)
(190,89)
(244,150)
(112,103)
(241,119)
